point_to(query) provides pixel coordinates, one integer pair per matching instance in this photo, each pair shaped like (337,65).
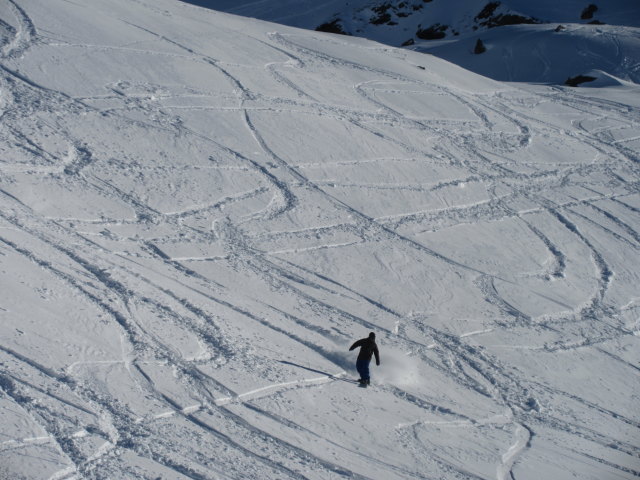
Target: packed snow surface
(199,213)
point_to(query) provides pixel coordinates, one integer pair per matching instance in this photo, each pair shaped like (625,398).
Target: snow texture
(200,212)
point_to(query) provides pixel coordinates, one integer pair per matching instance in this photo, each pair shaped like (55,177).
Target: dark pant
(363,369)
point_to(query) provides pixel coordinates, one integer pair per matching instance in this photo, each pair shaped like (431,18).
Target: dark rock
(509,19)
(560,28)
(588,12)
(383,14)
(577,80)
(488,18)
(409,42)
(380,19)
(434,32)
(380,9)
(332,27)
(479,48)
(488,10)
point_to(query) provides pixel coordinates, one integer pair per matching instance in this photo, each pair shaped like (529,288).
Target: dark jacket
(368,348)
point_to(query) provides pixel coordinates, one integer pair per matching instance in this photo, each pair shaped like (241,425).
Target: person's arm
(356,345)
(377,354)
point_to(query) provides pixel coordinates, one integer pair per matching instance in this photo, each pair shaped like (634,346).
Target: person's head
(372,336)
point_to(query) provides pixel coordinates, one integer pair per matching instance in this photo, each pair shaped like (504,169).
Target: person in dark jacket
(368,348)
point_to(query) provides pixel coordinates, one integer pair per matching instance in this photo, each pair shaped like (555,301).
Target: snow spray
(396,368)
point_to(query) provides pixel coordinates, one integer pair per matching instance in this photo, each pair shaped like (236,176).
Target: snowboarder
(368,348)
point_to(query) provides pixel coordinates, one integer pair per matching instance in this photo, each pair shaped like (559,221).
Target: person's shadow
(330,375)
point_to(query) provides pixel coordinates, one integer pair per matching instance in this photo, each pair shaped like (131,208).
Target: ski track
(115,284)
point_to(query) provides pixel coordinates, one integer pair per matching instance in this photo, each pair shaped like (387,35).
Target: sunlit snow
(200,212)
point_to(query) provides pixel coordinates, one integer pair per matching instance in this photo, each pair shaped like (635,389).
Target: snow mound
(603,79)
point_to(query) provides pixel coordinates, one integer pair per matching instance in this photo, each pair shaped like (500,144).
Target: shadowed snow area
(541,41)
(548,53)
(199,213)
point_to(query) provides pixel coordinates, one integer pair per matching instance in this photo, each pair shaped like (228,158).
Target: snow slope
(522,53)
(199,213)
(543,54)
(362,17)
